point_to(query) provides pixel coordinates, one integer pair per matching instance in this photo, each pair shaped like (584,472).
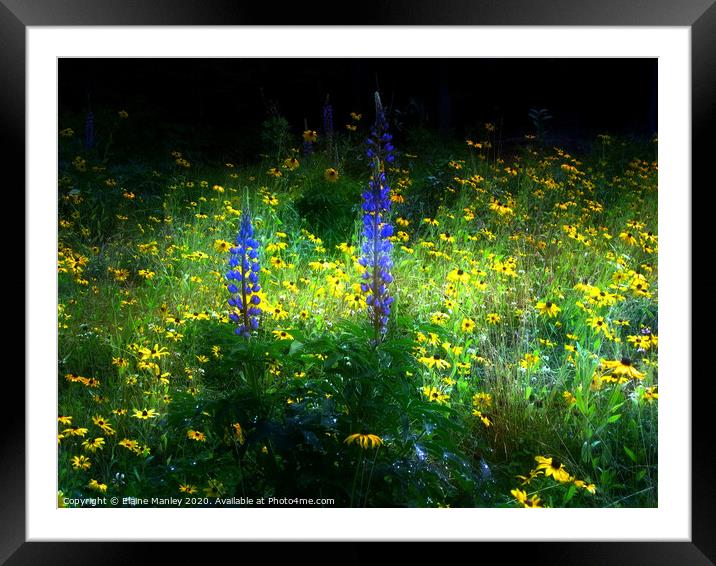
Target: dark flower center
(626,362)
(556,464)
(548,304)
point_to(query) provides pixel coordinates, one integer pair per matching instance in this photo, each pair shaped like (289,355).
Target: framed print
(391,279)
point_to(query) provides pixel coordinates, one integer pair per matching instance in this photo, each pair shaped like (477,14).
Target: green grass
(560,223)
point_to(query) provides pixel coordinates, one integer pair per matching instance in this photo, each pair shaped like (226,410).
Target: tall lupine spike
(243,277)
(376,248)
(89,130)
(327,112)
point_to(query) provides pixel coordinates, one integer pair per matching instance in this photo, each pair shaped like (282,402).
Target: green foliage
(143,313)
(275,135)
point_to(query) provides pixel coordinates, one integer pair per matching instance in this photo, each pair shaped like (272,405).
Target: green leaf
(631,454)
(570,493)
(296,346)
(614,418)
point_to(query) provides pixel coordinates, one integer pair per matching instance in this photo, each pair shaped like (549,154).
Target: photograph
(375,282)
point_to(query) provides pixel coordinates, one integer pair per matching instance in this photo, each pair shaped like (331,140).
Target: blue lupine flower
(376,248)
(243,277)
(328,119)
(89,130)
(307,148)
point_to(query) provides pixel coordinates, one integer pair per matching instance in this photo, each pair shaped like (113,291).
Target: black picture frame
(698,15)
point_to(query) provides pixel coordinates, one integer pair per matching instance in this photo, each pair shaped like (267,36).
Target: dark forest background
(219,104)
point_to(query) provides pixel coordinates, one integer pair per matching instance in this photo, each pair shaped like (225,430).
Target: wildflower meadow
(360,316)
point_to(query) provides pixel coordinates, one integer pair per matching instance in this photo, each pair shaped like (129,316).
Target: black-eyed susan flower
(435,395)
(291,163)
(520,496)
(131,445)
(188,488)
(623,367)
(196,435)
(145,414)
(493,318)
(650,394)
(467,325)
(479,414)
(640,287)
(534,502)
(529,360)
(552,467)
(590,487)
(75,431)
(93,445)
(439,318)
(155,352)
(282,335)
(599,325)
(526,480)
(120,362)
(640,341)
(569,398)
(548,308)
(364,440)
(97,486)
(278,312)
(330,175)
(482,400)
(458,275)
(104,424)
(629,238)
(81,463)
(435,361)
(501,208)
(222,246)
